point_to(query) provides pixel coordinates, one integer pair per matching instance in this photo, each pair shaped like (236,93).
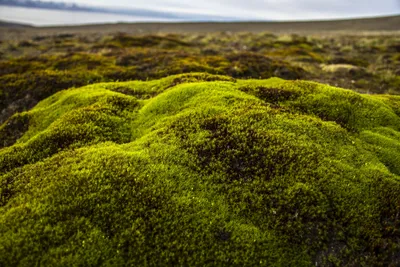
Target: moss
(26,44)
(298,53)
(199,169)
(22,92)
(385,142)
(123,57)
(396,57)
(125,40)
(270,94)
(392,101)
(203,170)
(340,107)
(13,129)
(393,84)
(359,62)
(80,62)
(251,65)
(19,66)
(394,47)
(328,103)
(346,70)
(72,119)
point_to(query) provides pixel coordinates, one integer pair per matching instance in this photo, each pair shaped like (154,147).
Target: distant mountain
(129,12)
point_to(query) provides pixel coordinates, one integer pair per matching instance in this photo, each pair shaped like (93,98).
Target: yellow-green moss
(31,70)
(203,170)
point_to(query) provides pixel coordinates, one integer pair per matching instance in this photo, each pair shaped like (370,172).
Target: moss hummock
(202,170)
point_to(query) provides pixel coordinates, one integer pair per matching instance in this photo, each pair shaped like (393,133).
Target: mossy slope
(34,69)
(203,170)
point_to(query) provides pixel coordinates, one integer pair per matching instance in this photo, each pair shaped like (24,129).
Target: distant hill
(13,24)
(355,26)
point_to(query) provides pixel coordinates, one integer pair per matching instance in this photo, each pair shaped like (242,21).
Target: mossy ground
(202,170)
(31,70)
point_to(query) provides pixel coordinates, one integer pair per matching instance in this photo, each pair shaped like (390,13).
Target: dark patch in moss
(79,61)
(13,129)
(18,105)
(236,154)
(252,65)
(138,95)
(223,235)
(64,36)
(168,42)
(348,60)
(22,92)
(394,47)
(26,44)
(271,95)
(196,77)
(40,38)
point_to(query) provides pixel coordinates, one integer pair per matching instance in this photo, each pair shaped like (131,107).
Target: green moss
(352,111)
(392,101)
(386,144)
(203,170)
(31,70)
(71,119)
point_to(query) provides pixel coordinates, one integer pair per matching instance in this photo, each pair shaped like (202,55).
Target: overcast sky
(262,9)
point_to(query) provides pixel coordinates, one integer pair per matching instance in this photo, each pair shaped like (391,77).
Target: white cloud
(262,9)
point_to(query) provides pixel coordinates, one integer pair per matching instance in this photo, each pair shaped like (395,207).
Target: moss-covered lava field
(200,150)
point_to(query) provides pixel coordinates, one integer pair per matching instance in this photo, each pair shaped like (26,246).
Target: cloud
(263,9)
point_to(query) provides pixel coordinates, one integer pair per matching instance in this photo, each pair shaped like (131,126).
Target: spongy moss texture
(202,170)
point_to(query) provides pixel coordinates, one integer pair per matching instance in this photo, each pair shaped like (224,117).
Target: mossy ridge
(306,187)
(50,64)
(91,114)
(98,116)
(22,92)
(156,197)
(386,144)
(61,103)
(77,97)
(351,110)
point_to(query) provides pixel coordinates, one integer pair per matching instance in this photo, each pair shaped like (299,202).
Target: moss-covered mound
(34,69)
(202,170)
